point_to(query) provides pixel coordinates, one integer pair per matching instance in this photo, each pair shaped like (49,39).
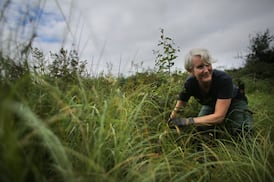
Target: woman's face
(201,70)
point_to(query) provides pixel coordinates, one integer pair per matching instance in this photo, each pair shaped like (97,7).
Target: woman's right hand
(173,114)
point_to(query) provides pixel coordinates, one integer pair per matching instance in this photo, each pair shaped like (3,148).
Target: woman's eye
(200,67)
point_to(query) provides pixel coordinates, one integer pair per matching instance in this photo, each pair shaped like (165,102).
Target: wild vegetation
(57,123)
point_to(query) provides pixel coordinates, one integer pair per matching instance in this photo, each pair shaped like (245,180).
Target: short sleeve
(185,94)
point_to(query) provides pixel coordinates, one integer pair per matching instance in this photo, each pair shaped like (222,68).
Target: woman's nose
(206,68)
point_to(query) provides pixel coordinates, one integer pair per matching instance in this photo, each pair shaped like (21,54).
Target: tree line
(66,65)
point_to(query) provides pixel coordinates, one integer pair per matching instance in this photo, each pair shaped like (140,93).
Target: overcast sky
(111,34)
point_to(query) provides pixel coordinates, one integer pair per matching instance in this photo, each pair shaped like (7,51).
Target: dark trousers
(238,121)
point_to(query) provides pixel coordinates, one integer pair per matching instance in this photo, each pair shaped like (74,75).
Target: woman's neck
(205,86)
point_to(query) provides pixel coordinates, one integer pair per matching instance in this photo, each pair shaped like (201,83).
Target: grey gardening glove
(179,122)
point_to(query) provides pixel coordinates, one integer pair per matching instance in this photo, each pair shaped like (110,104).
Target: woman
(223,104)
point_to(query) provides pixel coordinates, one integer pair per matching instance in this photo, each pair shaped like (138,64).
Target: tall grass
(97,131)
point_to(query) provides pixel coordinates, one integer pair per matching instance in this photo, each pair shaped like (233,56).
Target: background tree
(39,61)
(260,48)
(260,58)
(67,65)
(165,56)
(11,70)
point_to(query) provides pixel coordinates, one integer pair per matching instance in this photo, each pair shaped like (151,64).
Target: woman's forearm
(179,105)
(209,119)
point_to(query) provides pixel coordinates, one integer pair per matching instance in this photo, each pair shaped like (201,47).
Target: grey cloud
(129,29)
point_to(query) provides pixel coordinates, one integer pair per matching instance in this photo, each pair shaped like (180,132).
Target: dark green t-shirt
(221,88)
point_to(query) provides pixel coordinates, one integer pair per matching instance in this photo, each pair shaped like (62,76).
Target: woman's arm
(178,106)
(221,108)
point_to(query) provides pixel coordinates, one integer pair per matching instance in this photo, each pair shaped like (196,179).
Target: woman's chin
(207,79)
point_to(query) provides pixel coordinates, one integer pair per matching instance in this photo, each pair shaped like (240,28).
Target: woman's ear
(190,71)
